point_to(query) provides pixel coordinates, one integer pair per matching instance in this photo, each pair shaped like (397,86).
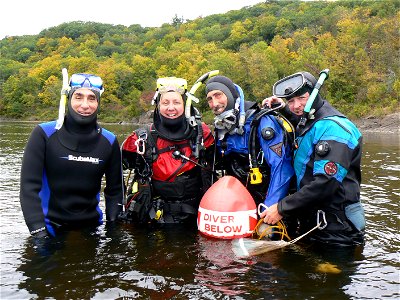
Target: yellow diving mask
(171,84)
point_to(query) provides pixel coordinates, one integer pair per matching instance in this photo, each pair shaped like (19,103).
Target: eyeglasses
(288,86)
(86,80)
(171,84)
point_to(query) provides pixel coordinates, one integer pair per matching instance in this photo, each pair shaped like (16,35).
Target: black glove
(42,242)
(41,235)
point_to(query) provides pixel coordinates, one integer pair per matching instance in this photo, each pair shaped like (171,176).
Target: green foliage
(255,46)
(208,117)
(18,96)
(9,67)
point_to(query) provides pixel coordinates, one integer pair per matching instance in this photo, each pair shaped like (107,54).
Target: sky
(28,17)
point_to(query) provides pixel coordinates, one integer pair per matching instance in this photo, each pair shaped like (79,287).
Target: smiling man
(327,163)
(84,102)
(62,170)
(252,146)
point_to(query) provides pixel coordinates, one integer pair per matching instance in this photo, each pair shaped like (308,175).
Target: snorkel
(190,95)
(242,113)
(64,94)
(308,114)
(196,120)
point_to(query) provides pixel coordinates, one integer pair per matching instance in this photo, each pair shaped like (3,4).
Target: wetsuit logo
(330,168)
(277,148)
(87,159)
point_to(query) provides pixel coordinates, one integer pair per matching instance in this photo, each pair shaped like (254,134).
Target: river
(123,262)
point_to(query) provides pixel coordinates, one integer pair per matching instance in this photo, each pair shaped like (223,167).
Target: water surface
(122,262)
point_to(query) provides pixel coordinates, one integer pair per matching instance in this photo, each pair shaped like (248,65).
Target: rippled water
(171,263)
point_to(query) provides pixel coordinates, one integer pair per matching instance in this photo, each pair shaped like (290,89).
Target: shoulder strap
(289,131)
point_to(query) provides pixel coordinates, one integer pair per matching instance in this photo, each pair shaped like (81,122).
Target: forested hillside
(255,46)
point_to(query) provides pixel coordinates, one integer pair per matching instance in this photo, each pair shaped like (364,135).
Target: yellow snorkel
(63,101)
(190,95)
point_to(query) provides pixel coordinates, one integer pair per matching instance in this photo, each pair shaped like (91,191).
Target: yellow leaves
(85,64)
(238,31)
(41,43)
(65,45)
(358,42)
(46,67)
(282,26)
(50,91)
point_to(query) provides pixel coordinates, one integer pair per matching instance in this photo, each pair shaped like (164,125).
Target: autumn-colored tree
(255,46)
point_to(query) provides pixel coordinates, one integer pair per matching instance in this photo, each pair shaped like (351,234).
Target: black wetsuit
(61,177)
(327,165)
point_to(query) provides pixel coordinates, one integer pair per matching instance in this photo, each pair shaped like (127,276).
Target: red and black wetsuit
(179,183)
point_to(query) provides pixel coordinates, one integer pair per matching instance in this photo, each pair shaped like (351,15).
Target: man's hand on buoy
(271,215)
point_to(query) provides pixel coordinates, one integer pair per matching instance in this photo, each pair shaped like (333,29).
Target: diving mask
(171,84)
(82,80)
(287,87)
(226,120)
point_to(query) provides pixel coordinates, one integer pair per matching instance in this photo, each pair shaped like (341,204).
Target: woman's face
(171,105)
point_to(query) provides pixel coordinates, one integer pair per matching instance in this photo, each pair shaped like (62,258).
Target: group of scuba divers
(296,155)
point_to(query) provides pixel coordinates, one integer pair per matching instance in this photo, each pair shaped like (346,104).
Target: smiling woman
(155,152)
(171,105)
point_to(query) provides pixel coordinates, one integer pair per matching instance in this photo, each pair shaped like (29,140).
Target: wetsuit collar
(80,138)
(323,111)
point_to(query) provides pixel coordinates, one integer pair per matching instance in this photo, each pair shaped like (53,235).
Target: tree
(177,21)
(18,94)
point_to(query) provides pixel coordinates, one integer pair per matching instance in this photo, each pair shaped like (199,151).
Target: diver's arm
(114,190)
(32,176)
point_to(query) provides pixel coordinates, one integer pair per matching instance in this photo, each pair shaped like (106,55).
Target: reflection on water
(121,261)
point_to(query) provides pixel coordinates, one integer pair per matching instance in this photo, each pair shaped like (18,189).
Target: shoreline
(388,124)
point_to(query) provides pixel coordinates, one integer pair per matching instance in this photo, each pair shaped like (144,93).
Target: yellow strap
(286,125)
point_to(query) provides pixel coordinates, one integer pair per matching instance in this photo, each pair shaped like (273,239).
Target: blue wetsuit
(274,157)
(61,177)
(327,165)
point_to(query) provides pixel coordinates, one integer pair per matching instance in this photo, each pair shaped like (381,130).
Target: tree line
(255,46)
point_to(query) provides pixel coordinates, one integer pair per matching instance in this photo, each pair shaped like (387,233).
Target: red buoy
(227,210)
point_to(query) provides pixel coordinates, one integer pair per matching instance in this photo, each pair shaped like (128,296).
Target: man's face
(297,104)
(171,105)
(217,101)
(84,102)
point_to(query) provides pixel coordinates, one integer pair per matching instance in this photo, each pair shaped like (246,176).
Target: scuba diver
(64,163)
(252,145)
(327,164)
(170,158)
